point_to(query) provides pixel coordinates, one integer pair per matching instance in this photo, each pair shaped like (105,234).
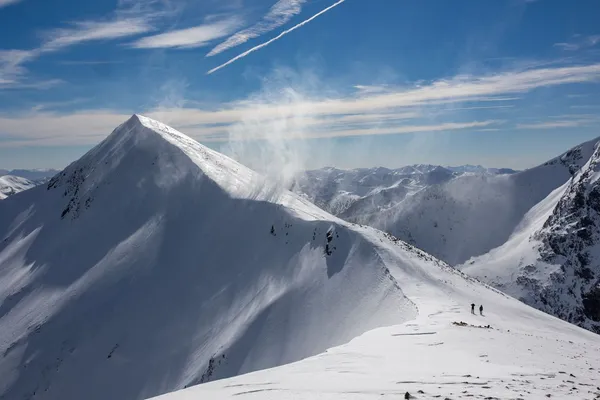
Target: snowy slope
(154,263)
(478,169)
(552,260)
(358,191)
(353,192)
(473,213)
(511,352)
(10,185)
(35,175)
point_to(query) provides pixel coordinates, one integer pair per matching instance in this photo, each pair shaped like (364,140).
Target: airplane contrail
(282,34)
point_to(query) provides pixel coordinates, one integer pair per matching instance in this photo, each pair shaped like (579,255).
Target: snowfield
(511,352)
(154,263)
(10,185)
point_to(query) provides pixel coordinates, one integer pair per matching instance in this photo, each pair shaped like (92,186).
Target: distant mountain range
(10,184)
(17,180)
(348,193)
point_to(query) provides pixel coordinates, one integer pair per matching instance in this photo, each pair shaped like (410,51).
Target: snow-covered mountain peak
(174,151)
(147,153)
(154,263)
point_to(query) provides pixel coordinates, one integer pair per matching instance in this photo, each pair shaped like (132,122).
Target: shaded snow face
(152,263)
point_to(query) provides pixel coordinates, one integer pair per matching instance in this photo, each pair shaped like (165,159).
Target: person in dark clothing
(472,308)
(481,309)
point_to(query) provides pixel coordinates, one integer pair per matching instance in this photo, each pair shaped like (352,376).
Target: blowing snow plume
(276,38)
(154,263)
(277,143)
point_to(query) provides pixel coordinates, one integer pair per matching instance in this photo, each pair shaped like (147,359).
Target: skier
(472,308)
(481,309)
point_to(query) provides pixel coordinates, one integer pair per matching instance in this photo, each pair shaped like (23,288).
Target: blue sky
(350,83)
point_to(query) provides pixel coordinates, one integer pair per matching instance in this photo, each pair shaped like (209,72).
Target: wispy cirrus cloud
(364,89)
(89,62)
(279,14)
(134,19)
(576,120)
(563,121)
(282,34)
(193,37)
(550,125)
(86,31)
(11,65)
(12,71)
(579,42)
(54,129)
(4,3)
(414,109)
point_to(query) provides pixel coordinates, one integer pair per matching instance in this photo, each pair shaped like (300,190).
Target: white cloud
(282,34)
(585,106)
(278,15)
(89,62)
(4,3)
(400,110)
(34,84)
(11,65)
(581,42)
(392,130)
(86,31)
(549,125)
(366,89)
(136,19)
(51,129)
(566,121)
(12,71)
(567,46)
(197,36)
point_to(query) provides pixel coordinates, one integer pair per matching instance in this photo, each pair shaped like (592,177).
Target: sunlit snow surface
(524,354)
(10,185)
